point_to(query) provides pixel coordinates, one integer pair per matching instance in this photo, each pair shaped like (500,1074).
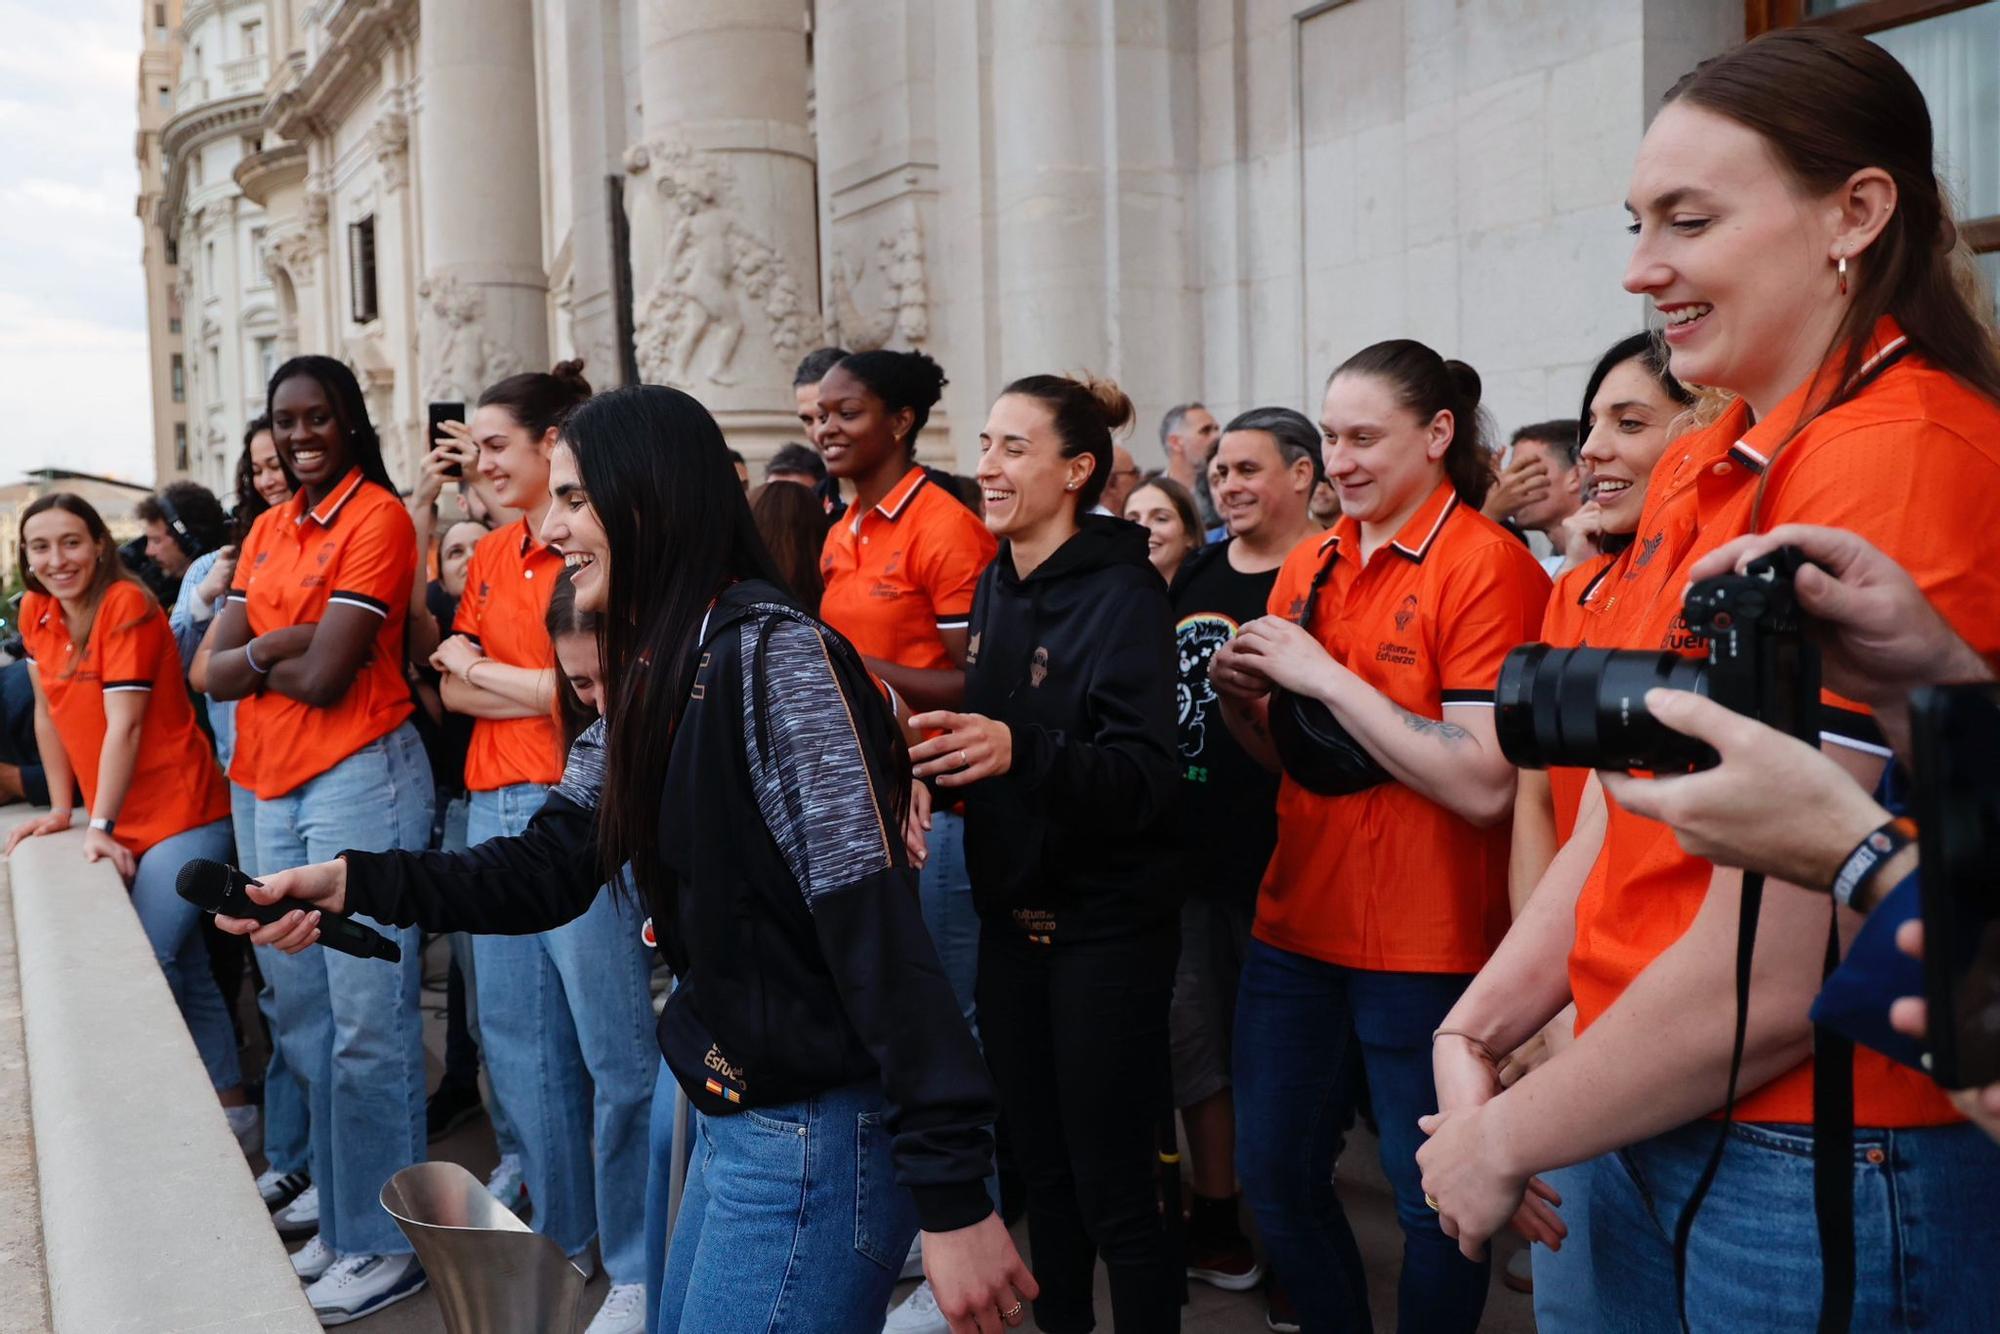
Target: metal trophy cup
(491,1274)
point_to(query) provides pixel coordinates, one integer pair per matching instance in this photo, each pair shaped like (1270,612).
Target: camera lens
(1586,708)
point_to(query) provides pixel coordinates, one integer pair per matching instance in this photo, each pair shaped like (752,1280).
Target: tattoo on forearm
(1416,722)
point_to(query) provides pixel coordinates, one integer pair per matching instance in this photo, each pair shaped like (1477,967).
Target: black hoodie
(1078,660)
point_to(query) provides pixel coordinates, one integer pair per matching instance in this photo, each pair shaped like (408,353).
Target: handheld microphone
(218,887)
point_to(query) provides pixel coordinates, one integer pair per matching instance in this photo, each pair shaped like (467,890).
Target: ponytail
(1427,384)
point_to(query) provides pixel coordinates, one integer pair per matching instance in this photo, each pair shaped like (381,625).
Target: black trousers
(1076,1035)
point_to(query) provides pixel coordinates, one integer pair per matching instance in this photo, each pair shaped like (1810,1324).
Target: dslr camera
(1586,707)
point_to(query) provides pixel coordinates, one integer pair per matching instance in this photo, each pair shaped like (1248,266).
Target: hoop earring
(1841,269)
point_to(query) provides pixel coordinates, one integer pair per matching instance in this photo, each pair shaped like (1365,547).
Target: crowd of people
(985,824)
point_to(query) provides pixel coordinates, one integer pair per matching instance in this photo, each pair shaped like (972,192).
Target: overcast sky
(73,377)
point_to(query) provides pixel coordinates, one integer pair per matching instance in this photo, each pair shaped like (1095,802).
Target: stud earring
(1841,269)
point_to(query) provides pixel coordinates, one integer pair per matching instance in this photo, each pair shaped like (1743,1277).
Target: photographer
(1867,396)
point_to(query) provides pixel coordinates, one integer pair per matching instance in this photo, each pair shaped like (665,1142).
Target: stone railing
(149,1220)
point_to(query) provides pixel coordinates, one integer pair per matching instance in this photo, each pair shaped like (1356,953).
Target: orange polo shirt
(359,549)
(1568,623)
(1386,879)
(176,785)
(900,574)
(1912,463)
(505,611)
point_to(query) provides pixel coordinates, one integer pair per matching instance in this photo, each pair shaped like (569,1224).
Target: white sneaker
(301,1217)
(247,1124)
(278,1189)
(913,1263)
(313,1259)
(623,1312)
(360,1285)
(508,1184)
(918,1314)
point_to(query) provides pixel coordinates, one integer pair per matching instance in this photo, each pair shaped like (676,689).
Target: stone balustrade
(149,1219)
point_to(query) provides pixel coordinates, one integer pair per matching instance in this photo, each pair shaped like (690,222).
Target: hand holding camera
(1774,804)
(1879,637)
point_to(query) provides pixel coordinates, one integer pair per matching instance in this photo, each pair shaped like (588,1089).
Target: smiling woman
(1791,226)
(311,644)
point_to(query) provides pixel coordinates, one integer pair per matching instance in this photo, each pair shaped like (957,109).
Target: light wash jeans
(1925,1232)
(173,928)
(944,893)
(1565,1285)
(351,1028)
(451,838)
(566,1023)
(792,1221)
(287,1145)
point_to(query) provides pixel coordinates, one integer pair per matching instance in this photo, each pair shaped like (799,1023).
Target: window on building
(166,97)
(253,38)
(173,324)
(180,447)
(194,169)
(173,251)
(160,21)
(1938,43)
(208,266)
(267,359)
(361,270)
(260,250)
(177,372)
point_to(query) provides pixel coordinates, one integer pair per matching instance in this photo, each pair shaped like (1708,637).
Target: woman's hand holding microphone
(323,884)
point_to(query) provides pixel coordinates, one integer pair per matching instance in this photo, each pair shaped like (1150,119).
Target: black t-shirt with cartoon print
(1227,804)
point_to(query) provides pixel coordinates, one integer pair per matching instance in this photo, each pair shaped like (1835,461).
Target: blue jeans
(659,1166)
(792,1221)
(566,1018)
(450,833)
(944,893)
(350,1027)
(1925,1231)
(1565,1283)
(1305,1032)
(173,928)
(287,1146)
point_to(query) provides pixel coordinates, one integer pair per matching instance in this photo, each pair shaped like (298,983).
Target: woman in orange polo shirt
(311,644)
(900,567)
(112,714)
(1630,403)
(1793,235)
(565,1016)
(1379,903)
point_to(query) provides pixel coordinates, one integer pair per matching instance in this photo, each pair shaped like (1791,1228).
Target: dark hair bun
(1465,380)
(1113,404)
(571,374)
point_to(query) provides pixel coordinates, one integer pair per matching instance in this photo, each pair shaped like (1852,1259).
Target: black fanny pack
(1317,752)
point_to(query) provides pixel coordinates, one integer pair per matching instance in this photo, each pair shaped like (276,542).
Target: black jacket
(1078,660)
(792,928)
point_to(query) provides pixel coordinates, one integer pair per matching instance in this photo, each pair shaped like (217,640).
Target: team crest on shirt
(1038,667)
(326,551)
(1647,550)
(1406,613)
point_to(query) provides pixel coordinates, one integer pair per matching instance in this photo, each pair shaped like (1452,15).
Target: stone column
(483,301)
(720,195)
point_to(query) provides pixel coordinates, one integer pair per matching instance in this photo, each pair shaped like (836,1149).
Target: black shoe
(452,1106)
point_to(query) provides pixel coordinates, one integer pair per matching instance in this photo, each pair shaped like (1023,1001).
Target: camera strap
(1833,1160)
(1752,902)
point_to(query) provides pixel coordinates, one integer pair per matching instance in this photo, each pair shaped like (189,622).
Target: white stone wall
(1446,170)
(229,305)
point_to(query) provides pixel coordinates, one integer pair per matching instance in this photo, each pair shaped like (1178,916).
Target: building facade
(1214,201)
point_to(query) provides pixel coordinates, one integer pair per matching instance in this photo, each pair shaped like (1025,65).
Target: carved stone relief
(461,357)
(291,252)
(390,138)
(715,279)
(902,309)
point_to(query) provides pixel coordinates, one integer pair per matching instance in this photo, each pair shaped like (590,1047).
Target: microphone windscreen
(204,883)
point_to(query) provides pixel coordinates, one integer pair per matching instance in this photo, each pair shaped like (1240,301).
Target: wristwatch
(102,824)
